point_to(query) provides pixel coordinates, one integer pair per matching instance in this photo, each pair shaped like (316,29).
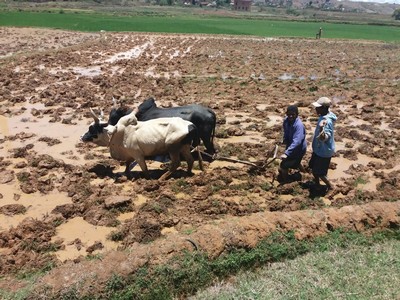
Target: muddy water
(37,205)
(247,138)
(78,235)
(67,134)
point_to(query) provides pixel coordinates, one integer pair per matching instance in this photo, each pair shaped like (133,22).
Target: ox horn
(114,103)
(96,118)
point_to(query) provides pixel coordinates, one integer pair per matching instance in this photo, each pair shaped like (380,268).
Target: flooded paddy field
(62,200)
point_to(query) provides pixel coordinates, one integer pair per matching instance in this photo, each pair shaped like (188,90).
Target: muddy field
(61,199)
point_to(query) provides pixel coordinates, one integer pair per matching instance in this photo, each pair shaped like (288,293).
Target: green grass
(339,265)
(195,24)
(328,276)
(356,272)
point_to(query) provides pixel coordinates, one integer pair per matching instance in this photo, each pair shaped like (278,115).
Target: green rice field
(84,21)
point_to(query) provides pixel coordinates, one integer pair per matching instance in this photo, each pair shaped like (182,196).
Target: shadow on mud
(103,171)
(315,191)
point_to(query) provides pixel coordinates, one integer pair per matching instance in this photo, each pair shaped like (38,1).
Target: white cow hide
(132,139)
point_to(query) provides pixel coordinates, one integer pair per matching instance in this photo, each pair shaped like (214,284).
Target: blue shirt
(294,136)
(325,148)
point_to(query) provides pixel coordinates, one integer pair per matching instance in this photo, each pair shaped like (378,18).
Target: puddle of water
(175,54)
(274,120)
(68,135)
(156,55)
(151,73)
(286,76)
(344,164)
(357,122)
(342,144)
(88,234)
(371,184)
(262,107)
(246,138)
(130,54)
(37,205)
(217,55)
(222,164)
(385,126)
(230,118)
(364,159)
(88,72)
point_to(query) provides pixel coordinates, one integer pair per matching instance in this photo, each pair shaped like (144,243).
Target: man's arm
(298,138)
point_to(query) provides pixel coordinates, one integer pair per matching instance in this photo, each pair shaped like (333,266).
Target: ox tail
(192,137)
(195,141)
(213,129)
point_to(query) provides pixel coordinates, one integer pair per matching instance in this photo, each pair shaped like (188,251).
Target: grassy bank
(339,264)
(354,272)
(192,24)
(185,275)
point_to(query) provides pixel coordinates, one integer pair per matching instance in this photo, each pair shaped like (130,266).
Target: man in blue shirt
(294,137)
(323,144)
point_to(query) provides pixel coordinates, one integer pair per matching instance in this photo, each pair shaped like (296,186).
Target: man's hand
(322,125)
(322,136)
(283,156)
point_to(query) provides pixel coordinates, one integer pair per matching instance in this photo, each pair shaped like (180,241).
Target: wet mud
(62,200)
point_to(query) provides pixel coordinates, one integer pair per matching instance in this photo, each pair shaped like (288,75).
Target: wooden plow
(260,165)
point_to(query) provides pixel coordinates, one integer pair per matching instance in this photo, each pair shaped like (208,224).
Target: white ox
(131,140)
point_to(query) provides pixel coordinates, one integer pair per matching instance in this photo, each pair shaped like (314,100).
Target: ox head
(99,131)
(145,106)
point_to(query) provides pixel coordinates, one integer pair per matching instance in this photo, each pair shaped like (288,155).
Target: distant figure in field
(319,33)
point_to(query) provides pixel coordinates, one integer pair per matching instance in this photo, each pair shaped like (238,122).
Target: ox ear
(96,118)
